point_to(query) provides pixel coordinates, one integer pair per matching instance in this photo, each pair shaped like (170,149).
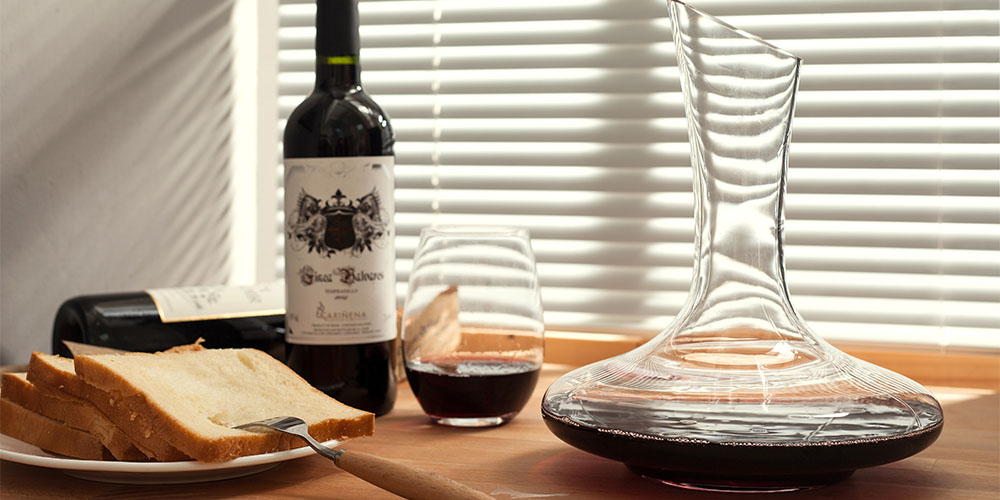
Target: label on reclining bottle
(200,303)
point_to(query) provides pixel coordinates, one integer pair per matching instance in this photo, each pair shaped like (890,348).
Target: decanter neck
(739,214)
(739,268)
(739,95)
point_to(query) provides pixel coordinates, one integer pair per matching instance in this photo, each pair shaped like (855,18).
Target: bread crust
(43,372)
(74,412)
(152,418)
(155,430)
(23,424)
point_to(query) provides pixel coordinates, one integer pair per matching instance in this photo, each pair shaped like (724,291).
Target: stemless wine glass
(472,324)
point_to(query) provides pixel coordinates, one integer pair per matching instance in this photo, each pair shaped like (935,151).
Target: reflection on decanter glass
(737,393)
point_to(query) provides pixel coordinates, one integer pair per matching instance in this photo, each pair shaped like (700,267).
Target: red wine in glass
(472,391)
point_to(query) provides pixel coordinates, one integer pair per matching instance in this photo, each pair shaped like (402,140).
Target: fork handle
(406,481)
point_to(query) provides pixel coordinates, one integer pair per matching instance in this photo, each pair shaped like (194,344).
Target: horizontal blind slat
(629,278)
(966,49)
(802,155)
(628,131)
(840,104)
(379,12)
(971,23)
(797,232)
(936,261)
(902,76)
(798,257)
(813,308)
(598,203)
(665,179)
(941,335)
(929,312)
(652,31)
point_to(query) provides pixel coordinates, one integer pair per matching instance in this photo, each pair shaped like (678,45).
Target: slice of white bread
(20,423)
(193,399)
(58,373)
(72,411)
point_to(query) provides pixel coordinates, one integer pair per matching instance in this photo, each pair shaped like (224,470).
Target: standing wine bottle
(158,319)
(339,249)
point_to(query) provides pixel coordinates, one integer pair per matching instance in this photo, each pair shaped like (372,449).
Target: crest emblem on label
(337,224)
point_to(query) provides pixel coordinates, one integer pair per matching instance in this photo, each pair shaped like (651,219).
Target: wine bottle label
(339,251)
(196,303)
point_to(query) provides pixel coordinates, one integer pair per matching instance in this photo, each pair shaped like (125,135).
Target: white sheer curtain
(565,116)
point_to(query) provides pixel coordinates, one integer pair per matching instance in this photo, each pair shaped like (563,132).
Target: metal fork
(406,481)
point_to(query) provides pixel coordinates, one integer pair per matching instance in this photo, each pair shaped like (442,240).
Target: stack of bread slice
(176,405)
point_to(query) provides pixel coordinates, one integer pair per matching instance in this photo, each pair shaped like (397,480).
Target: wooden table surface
(523,460)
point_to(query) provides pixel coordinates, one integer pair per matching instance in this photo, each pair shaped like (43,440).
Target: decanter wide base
(744,466)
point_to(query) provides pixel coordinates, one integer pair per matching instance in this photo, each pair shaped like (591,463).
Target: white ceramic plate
(147,472)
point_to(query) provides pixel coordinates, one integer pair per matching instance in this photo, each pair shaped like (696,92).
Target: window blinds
(566,117)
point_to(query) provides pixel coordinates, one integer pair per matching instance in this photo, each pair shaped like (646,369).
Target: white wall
(115,150)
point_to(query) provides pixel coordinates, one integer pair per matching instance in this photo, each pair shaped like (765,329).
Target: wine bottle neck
(337,45)
(338,72)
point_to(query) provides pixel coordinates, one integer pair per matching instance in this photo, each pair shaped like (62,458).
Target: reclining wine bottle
(158,319)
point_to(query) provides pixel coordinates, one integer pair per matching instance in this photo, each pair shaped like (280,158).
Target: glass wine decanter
(737,394)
